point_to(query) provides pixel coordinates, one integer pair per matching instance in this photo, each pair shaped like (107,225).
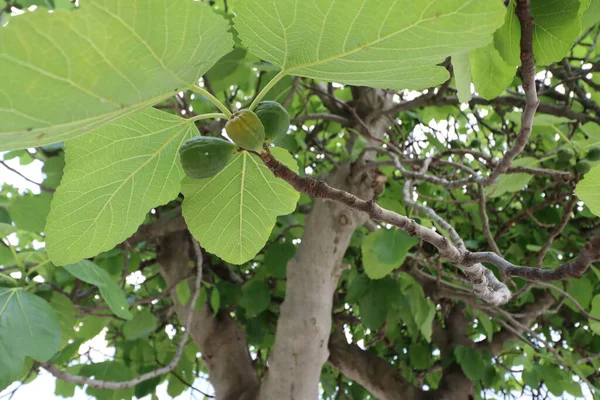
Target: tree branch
(470,261)
(531,100)
(376,375)
(222,343)
(111,385)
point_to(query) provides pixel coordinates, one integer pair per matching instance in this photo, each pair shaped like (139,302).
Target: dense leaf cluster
(103,96)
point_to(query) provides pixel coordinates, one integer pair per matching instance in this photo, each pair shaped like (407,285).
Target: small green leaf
(591,15)
(89,272)
(256,297)
(486,323)
(373,310)
(277,257)
(420,355)
(595,312)
(113,178)
(233,213)
(461,64)
(183,292)
(103,62)
(6,230)
(108,371)
(491,74)
(588,190)
(507,38)
(28,325)
(215,300)
(471,362)
(53,169)
(91,326)
(582,290)
(387,45)
(357,288)
(65,311)
(29,212)
(141,326)
(377,301)
(508,183)
(385,250)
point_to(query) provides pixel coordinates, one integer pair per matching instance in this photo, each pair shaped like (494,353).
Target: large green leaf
(28,325)
(588,190)
(11,365)
(90,273)
(233,213)
(385,250)
(113,177)
(379,43)
(557,26)
(73,72)
(491,74)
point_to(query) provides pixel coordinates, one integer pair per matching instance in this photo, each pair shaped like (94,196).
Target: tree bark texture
(301,341)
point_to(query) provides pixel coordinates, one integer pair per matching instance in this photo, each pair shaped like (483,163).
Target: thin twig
(111,385)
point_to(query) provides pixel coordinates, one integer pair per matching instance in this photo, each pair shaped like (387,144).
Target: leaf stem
(266,89)
(32,270)
(208,116)
(9,279)
(212,99)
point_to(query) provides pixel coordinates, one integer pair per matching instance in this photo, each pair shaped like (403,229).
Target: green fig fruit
(246,130)
(203,157)
(274,118)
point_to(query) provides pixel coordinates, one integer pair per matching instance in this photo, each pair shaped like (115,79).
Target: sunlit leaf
(74,72)
(113,178)
(233,213)
(387,43)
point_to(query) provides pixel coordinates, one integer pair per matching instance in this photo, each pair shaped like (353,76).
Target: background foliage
(103,96)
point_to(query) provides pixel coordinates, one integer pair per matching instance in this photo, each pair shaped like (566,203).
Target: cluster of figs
(565,155)
(204,156)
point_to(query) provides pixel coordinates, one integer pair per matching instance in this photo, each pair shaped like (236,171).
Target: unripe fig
(565,154)
(246,130)
(203,157)
(475,143)
(274,118)
(583,167)
(456,144)
(593,154)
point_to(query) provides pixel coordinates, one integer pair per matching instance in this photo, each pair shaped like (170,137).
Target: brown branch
(469,260)
(41,186)
(165,225)
(531,99)
(376,375)
(561,226)
(301,119)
